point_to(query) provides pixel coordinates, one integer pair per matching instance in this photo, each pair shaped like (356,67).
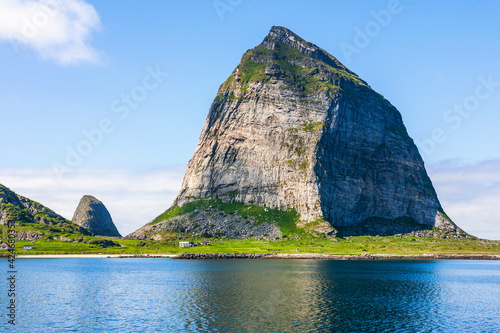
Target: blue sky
(67,73)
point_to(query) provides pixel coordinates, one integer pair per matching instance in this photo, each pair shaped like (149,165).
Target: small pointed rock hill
(92,215)
(32,220)
(293,135)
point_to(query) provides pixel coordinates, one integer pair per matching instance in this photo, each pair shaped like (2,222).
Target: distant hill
(33,220)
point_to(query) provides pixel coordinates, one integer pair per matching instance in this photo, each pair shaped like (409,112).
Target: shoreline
(319,256)
(311,256)
(91,256)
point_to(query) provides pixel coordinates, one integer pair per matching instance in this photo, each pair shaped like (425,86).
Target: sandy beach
(91,256)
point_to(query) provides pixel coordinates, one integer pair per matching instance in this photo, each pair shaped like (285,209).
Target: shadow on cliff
(362,190)
(374,226)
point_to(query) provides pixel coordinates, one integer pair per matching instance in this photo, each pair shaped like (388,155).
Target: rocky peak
(287,37)
(279,36)
(294,129)
(92,215)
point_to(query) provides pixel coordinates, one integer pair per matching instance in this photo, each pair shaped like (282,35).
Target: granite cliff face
(292,129)
(92,215)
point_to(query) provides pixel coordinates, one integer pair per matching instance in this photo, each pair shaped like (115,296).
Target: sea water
(252,295)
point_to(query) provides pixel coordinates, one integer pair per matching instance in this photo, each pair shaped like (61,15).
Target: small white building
(185,244)
(28,247)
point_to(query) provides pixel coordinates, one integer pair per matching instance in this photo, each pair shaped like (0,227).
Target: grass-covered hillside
(32,221)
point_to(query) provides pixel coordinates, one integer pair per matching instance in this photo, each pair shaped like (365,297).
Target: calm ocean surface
(166,295)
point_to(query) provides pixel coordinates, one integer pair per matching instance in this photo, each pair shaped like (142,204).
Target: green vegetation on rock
(286,220)
(299,72)
(32,218)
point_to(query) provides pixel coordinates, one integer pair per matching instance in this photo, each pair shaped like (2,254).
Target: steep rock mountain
(32,220)
(92,215)
(294,130)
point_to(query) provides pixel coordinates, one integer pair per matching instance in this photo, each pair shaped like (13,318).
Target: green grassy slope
(311,244)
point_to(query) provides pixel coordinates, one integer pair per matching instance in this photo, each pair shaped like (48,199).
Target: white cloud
(470,195)
(133,199)
(59,30)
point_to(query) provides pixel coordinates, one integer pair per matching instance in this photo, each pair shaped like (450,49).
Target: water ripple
(162,295)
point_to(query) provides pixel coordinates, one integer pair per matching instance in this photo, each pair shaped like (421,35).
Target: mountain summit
(92,215)
(293,131)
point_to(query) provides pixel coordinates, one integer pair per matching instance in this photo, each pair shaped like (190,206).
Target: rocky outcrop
(213,218)
(92,215)
(28,235)
(294,129)
(209,224)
